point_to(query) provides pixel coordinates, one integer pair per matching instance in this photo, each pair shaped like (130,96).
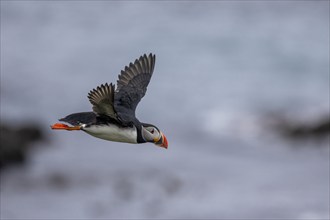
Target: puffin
(113,116)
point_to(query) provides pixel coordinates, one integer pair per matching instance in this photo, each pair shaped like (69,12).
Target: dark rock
(15,143)
(301,130)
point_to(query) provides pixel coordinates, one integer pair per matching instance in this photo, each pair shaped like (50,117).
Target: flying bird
(113,116)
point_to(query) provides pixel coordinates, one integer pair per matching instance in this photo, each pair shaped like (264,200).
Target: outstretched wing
(102,99)
(132,86)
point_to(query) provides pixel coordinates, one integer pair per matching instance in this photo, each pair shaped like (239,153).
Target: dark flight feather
(132,86)
(102,99)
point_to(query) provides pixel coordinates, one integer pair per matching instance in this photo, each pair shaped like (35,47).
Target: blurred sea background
(240,89)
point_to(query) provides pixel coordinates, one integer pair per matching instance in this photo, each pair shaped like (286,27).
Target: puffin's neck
(139,137)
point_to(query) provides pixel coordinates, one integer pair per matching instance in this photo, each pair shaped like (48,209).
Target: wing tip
(144,64)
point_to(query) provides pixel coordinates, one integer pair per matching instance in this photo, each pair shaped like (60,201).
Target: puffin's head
(152,134)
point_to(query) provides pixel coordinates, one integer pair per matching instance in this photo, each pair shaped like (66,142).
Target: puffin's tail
(80,118)
(76,120)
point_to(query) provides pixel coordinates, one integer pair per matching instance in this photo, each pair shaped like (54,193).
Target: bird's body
(112,132)
(113,117)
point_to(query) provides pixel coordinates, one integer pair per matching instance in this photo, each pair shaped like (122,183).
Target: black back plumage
(120,104)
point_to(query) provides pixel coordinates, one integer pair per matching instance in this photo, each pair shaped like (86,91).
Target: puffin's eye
(152,131)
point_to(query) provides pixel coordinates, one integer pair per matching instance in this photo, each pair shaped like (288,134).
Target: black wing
(132,86)
(102,99)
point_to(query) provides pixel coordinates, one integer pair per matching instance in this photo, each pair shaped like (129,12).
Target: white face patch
(150,134)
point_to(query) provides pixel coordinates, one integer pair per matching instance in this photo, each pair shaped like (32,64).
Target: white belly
(113,133)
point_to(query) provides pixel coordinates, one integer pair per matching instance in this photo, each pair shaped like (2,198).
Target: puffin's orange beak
(162,141)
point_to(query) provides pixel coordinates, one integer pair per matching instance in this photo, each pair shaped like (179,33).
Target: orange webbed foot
(60,126)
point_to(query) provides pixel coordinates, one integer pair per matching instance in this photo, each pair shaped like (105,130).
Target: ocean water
(222,69)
